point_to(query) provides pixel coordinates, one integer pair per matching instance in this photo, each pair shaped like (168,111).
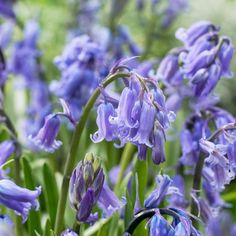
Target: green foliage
(34,222)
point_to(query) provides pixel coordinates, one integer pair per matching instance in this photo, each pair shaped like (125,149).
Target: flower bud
(86,185)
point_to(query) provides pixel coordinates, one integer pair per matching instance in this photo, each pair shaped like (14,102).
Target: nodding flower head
(86,184)
(45,139)
(21,200)
(140,118)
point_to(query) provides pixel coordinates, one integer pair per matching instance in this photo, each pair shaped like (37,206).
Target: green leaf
(33,222)
(51,192)
(142,171)
(47,230)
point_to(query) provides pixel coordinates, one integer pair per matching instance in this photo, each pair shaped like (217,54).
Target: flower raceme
(140,118)
(204,58)
(87,188)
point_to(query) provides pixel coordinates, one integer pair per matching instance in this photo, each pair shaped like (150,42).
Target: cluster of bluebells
(194,70)
(181,223)
(139,116)
(82,68)
(87,188)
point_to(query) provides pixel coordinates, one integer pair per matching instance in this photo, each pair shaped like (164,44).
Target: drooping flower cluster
(202,61)
(139,117)
(81,65)
(217,145)
(181,223)
(87,188)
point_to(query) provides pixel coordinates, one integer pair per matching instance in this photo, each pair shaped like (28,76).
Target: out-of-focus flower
(69,232)
(172,11)
(6,30)
(45,139)
(81,65)
(6,226)
(6,8)
(21,200)
(86,184)
(28,68)
(6,149)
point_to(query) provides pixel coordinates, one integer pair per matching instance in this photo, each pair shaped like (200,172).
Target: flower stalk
(70,161)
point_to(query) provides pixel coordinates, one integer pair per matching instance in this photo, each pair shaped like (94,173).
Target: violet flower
(6,8)
(45,139)
(140,118)
(109,202)
(19,199)
(81,66)
(163,188)
(86,184)
(69,232)
(28,68)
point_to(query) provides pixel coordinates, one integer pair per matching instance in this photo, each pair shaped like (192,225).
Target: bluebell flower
(6,226)
(19,199)
(175,199)
(172,11)
(195,32)
(86,185)
(105,128)
(45,139)
(81,66)
(160,226)
(6,8)
(207,57)
(140,117)
(109,202)
(69,232)
(163,188)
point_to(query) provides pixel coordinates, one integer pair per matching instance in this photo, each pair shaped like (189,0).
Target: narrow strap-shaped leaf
(51,192)
(34,223)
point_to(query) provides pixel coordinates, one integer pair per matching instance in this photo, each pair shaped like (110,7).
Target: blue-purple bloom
(69,232)
(21,200)
(81,66)
(140,118)
(27,48)
(86,184)
(6,226)
(6,8)
(164,187)
(45,139)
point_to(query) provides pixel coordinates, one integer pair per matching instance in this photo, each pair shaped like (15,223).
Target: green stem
(127,154)
(197,186)
(70,161)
